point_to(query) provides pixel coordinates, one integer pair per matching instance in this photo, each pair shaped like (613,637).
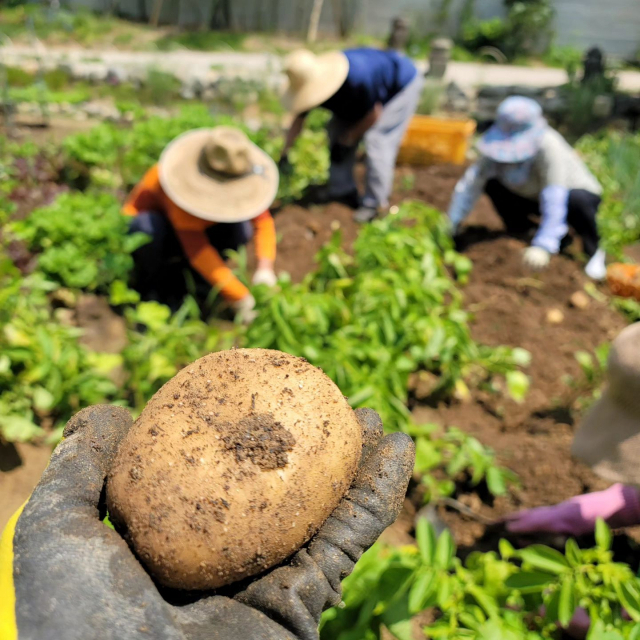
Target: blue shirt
(375,76)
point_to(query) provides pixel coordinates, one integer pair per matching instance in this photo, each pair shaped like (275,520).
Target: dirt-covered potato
(232,466)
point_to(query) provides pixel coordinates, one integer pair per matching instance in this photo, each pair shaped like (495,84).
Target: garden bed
(510,306)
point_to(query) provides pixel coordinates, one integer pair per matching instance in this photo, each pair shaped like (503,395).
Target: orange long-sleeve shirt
(204,258)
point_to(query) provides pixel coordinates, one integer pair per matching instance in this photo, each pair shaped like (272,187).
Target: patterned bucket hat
(517,133)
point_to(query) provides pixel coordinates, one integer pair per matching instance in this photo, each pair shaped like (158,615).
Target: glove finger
(371,425)
(79,465)
(371,505)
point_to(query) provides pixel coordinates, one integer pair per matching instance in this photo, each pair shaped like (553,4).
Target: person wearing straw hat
(372,95)
(609,442)
(527,168)
(209,193)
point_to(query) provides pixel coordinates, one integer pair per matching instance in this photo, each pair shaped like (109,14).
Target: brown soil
(302,232)
(21,466)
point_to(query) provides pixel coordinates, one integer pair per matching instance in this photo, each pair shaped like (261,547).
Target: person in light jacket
(527,168)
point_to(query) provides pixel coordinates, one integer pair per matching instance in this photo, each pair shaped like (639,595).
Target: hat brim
(609,442)
(331,71)
(216,197)
(507,148)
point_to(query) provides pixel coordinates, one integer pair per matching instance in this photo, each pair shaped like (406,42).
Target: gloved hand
(536,258)
(245,309)
(619,506)
(75,579)
(284,165)
(265,276)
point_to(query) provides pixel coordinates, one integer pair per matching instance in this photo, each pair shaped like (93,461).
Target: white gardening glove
(597,267)
(245,309)
(265,276)
(536,258)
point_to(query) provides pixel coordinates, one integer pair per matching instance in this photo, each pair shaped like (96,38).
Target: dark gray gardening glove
(74,578)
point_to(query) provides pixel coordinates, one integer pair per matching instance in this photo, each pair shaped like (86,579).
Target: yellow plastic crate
(432,140)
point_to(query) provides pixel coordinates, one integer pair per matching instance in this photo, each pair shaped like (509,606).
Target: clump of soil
(260,438)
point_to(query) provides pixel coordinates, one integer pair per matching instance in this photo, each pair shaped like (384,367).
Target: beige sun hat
(609,438)
(219,175)
(313,79)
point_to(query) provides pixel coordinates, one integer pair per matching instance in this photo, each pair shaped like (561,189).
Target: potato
(232,466)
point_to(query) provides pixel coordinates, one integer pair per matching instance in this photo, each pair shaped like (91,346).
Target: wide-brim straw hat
(609,438)
(218,175)
(516,135)
(313,79)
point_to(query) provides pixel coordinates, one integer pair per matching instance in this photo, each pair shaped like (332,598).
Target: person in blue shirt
(372,95)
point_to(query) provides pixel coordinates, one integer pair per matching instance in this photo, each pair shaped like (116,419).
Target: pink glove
(619,506)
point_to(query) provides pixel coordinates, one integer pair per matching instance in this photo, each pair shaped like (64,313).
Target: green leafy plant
(45,374)
(372,319)
(523,31)
(111,156)
(614,157)
(443,458)
(528,594)
(161,343)
(82,240)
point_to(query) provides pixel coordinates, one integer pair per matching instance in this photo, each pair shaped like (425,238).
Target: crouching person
(209,193)
(527,168)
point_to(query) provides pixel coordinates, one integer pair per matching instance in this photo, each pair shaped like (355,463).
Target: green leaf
(422,591)
(427,456)
(629,594)
(599,631)
(361,396)
(445,550)
(18,429)
(426,539)
(43,400)
(5,364)
(496,481)
(402,630)
(585,360)
(153,314)
(518,385)
(521,357)
(506,549)
(572,552)
(530,581)
(119,293)
(545,559)
(552,604)
(603,535)
(567,603)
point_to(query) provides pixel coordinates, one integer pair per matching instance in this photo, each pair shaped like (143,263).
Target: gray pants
(382,143)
